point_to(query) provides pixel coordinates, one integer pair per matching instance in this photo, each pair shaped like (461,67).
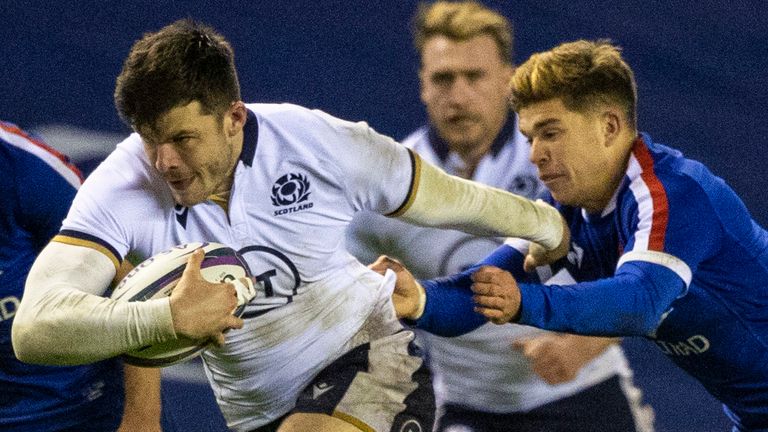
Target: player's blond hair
(583,74)
(462,21)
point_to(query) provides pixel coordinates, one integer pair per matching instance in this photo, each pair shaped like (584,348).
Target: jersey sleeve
(377,173)
(631,303)
(449,310)
(109,205)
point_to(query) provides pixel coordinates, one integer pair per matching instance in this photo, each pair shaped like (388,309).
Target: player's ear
(235,118)
(423,85)
(611,125)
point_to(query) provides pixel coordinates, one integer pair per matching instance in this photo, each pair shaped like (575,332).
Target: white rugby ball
(158,275)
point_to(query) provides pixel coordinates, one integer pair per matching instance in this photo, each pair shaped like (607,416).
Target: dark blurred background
(700,67)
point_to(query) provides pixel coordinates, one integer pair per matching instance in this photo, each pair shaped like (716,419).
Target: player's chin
(187,199)
(563,196)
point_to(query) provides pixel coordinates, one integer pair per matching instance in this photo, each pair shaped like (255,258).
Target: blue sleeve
(631,303)
(449,310)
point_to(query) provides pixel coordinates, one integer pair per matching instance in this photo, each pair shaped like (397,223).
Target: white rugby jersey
(301,176)
(482,363)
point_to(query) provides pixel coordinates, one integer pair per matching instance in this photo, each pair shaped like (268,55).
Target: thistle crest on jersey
(291,192)
(290,189)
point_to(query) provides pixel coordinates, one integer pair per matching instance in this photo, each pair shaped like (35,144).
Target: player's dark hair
(183,62)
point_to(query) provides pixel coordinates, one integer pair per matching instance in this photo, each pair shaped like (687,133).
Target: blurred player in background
(496,378)
(662,248)
(37,186)
(319,346)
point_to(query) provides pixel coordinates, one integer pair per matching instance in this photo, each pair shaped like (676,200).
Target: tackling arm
(631,303)
(449,308)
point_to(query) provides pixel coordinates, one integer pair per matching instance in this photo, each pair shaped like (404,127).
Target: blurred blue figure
(37,186)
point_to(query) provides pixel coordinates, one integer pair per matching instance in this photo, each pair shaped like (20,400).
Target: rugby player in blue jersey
(37,186)
(661,247)
(493,376)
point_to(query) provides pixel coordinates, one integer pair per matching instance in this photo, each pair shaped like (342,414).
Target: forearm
(143,405)
(589,347)
(631,303)
(62,319)
(449,308)
(451,202)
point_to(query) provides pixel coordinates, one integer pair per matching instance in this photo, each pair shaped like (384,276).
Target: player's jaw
(558,183)
(196,187)
(186,190)
(461,129)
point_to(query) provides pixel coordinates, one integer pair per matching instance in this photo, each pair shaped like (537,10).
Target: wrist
(245,290)
(552,225)
(422,302)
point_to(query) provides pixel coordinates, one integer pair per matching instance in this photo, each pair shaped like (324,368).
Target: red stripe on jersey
(11,128)
(660,216)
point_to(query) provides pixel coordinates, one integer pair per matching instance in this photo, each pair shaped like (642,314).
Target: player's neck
(226,185)
(471,156)
(616,169)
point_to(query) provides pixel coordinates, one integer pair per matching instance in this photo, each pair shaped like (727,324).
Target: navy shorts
(604,407)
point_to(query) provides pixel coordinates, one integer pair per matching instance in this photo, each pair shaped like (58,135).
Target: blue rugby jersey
(674,257)
(479,363)
(37,186)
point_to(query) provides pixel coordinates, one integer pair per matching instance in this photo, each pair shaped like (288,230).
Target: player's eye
(442,79)
(182,140)
(550,134)
(474,76)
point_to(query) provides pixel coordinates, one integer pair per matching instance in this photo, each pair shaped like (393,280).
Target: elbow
(651,303)
(24,347)
(25,336)
(32,342)
(635,325)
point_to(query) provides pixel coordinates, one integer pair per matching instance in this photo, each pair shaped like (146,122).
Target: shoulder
(418,139)
(33,157)
(286,114)
(667,195)
(124,177)
(127,161)
(663,175)
(288,131)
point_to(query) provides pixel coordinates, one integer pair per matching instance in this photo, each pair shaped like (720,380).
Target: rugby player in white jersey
(319,347)
(495,376)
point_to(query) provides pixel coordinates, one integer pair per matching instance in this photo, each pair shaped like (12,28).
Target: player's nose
(539,154)
(166,157)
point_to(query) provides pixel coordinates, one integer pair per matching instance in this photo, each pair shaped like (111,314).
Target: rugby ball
(158,275)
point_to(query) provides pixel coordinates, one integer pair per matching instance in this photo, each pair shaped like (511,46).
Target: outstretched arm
(444,306)
(447,201)
(630,303)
